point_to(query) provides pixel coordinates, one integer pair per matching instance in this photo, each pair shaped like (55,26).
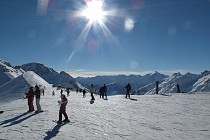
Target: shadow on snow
(91,101)
(16,120)
(53,132)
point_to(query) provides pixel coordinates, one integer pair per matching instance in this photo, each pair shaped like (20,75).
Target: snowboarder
(30,96)
(84,93)
(104,91)
(62,110)
(37,94)
(92,89)
(128,89)
(53,93)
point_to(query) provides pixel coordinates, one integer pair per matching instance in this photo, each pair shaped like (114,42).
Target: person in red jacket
(30,96)
(62,110)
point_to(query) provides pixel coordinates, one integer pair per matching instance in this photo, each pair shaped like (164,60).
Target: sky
(131,35)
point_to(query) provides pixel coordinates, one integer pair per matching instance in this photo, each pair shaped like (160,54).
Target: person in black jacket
(128,90)
(104,91)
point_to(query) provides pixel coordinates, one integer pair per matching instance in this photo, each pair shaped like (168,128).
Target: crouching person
(62,110)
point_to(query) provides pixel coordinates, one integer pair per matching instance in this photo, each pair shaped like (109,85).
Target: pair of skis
(63,122)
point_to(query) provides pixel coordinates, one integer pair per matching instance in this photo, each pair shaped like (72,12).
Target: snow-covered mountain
(202,85)
(187,82)
(7,72)
(116,84)
(51,76)
(169,85)
(16,87)
(146,84)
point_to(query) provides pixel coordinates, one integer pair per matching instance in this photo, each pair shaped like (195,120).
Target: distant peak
(204,73)
(177,74)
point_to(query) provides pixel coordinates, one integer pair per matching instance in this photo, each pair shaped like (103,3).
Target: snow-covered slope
(202,85)
(51,76)
(17,87)
(147,117)
(7,72)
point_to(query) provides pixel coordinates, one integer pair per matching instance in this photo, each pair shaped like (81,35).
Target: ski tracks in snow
(147,117)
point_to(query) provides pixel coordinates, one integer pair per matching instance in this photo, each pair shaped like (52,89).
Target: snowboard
(1,112)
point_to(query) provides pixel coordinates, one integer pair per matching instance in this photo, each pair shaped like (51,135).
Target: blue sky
(142,35)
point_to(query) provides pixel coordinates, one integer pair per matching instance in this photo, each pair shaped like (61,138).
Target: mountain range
(13,76)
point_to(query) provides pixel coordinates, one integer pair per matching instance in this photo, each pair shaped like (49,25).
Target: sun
(94,10)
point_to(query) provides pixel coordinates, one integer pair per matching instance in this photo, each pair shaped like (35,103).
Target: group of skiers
(62,111)
(30,95)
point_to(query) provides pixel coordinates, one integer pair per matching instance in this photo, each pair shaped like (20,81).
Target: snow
(17,87)
(159,117)
(169,84)
(202,85)
(51,76)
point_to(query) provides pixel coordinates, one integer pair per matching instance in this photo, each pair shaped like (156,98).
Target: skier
(53,93)
(37,94)
(62,110)
(68,91)
(178,88)
(101,92)
(104,91)
(61,91)
(84,93)
(128,89)
(30,96)
(92,89)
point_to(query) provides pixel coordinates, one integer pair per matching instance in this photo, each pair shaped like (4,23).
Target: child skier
(62,110)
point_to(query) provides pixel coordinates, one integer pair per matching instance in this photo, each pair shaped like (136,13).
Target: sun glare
(94,11)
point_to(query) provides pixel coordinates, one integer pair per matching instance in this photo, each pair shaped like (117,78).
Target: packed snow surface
(146,117)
